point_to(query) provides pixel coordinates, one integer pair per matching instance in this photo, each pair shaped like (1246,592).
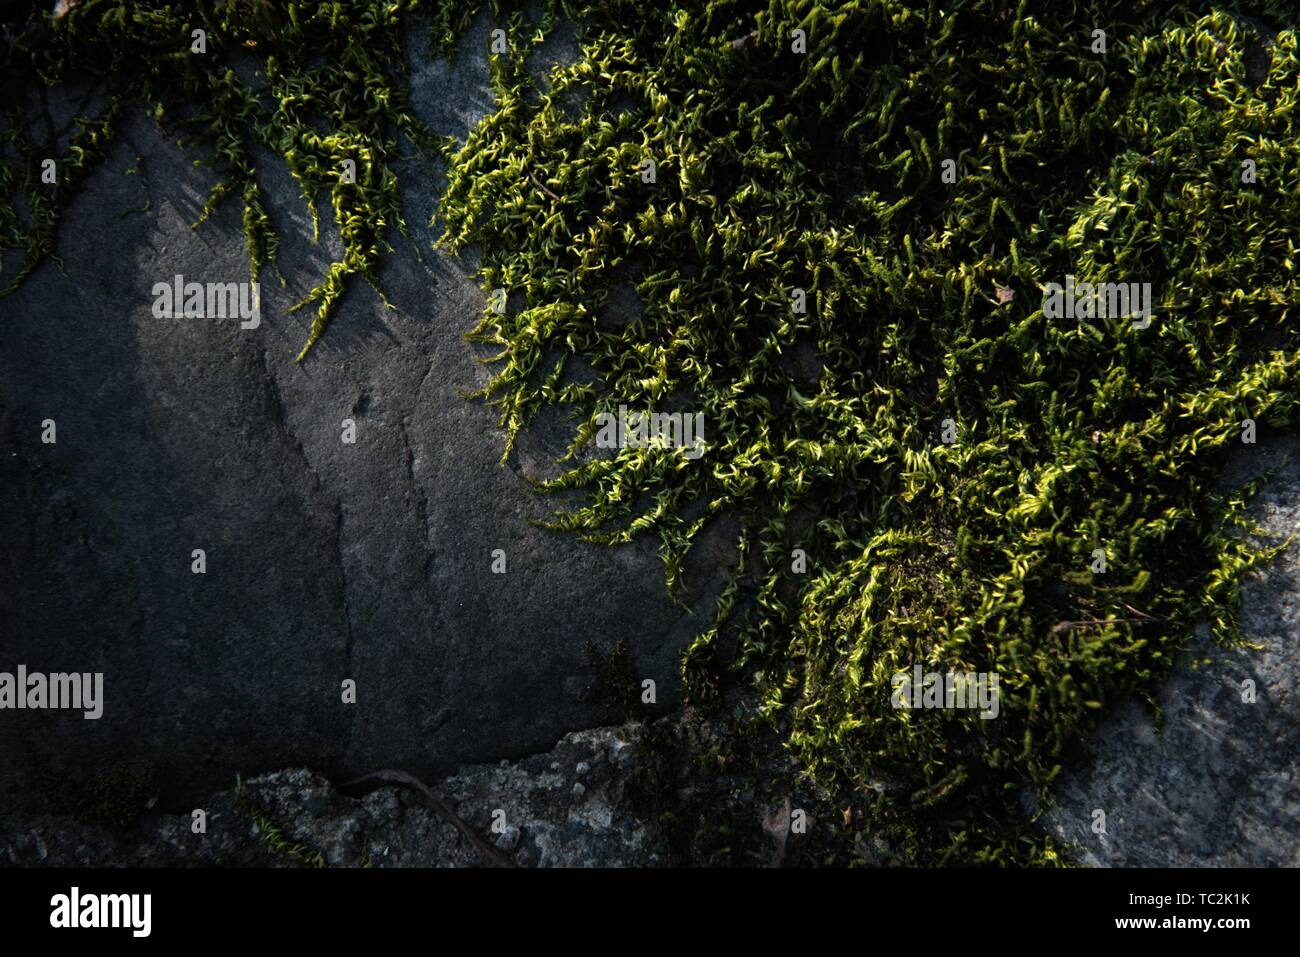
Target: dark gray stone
(384,828)
(325,561)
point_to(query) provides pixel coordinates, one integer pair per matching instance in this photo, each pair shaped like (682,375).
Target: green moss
(272,834)
(317,84)
(822,172)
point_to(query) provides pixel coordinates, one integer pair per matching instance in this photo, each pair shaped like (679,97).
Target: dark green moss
(114,796)
(320,85)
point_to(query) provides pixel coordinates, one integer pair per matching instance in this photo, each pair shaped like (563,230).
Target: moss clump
(822,171)
(319,85)
(113,796)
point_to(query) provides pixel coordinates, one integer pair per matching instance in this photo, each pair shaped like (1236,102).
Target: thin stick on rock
(490,855)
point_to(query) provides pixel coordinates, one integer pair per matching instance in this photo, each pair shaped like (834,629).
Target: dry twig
(490,855)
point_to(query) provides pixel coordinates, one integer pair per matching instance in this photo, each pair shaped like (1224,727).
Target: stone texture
(325,561)
(542,822)
(1218,785)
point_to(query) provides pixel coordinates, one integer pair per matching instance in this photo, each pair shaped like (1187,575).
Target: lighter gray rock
(1218,787)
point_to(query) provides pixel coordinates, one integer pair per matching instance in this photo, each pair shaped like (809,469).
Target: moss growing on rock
(839,221)
(323,86)
(960,461)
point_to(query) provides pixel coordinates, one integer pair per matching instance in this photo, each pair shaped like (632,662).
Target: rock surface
(530,811)
(325,561)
